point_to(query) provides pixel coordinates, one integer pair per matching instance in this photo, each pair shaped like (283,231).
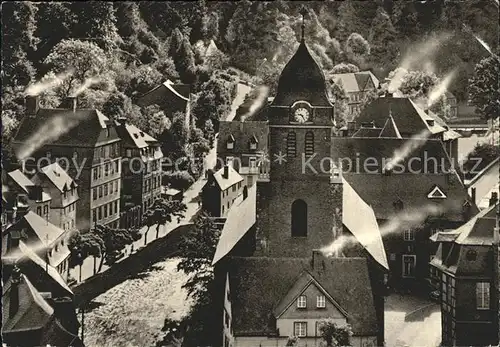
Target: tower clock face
(301,115)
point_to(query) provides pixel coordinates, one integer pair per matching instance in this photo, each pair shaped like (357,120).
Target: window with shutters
(309,144)
(291,145)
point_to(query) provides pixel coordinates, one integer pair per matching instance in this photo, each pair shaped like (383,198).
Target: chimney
(14,292)
(35,193)
(32,103)
(473,194)
(121,120)
(70,103)
(245,192)
(351,128)
(226,172)
(493,199)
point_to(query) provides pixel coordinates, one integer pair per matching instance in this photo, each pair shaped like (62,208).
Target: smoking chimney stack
(226,172)
(14,292)
(32,104)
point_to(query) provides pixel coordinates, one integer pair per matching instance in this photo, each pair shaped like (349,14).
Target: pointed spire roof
(390,128)
(302,78)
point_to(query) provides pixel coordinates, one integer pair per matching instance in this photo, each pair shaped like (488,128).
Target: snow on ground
(133,313)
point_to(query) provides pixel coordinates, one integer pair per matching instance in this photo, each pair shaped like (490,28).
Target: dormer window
(409,235)
(253,143)
(230,142)
(430,122)
(302,301)
(436,193)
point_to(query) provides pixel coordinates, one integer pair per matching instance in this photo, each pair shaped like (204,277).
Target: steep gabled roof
(83,127)
(479,230)
(354,82)
(34,313)
(368,132)
(303,282)
(21,180)
(390,129)
(364,229)
(58,176)
(260,284)
(302,79)
(241,217)
(233,178)
(242,133)
(27,253)
(46,232)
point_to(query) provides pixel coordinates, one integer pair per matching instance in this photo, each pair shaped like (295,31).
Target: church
(278,269)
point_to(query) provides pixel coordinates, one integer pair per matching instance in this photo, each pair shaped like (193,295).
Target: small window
(483,295)
(300,329)
(471,255)
(94,193)
(253,146)
(320,301)
(100,191)
(302,301)
(409,235)
(393,256)
(39,210)
(230,144)
(253,162)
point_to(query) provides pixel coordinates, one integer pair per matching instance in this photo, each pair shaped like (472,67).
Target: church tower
(301,206)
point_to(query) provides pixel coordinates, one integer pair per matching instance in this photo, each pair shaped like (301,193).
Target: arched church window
(299,218)
(309,144)
(291,144)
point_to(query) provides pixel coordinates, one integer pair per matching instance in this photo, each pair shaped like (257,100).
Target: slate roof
(381,191)
(302,79)
(368,132)
(21,180)
(133,136)
(364,229)
(409,118)
(240,218)
(258,285)
(27,253)
(34,312)
(59,177)
(46,232)
(233,178)
(471,252)
(165,90)
(390,129)
(243,133)
(479,230)
(85,125)
(444,236)
(355,81)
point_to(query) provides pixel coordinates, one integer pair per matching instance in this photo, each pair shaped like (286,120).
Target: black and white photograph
(250,173)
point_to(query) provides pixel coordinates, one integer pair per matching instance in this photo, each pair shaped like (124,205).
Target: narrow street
(412,322)
(190,199)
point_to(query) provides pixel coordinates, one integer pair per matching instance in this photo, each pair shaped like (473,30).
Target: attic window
(436,193)
(430,122)
(142,134)
(398,205)
(136,136)
(471,255)
(230,142)
(302,301)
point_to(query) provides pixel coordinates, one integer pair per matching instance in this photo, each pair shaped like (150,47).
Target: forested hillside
(110,53)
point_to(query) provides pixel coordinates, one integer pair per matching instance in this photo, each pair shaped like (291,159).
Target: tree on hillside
(382,39)
(82,60)
(96,20)
(357,46)
(347,19)
(484,91)
(175,138)
(179,179)
(162,211)
(417,84)
(335,335)
(340,96)
(344,68)
(18,40)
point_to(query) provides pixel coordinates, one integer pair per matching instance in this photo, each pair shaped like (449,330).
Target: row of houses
(79,168)
(305,242)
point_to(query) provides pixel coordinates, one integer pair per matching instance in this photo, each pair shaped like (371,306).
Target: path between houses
(190,199)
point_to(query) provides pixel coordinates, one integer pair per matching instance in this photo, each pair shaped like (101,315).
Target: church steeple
(303,12)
